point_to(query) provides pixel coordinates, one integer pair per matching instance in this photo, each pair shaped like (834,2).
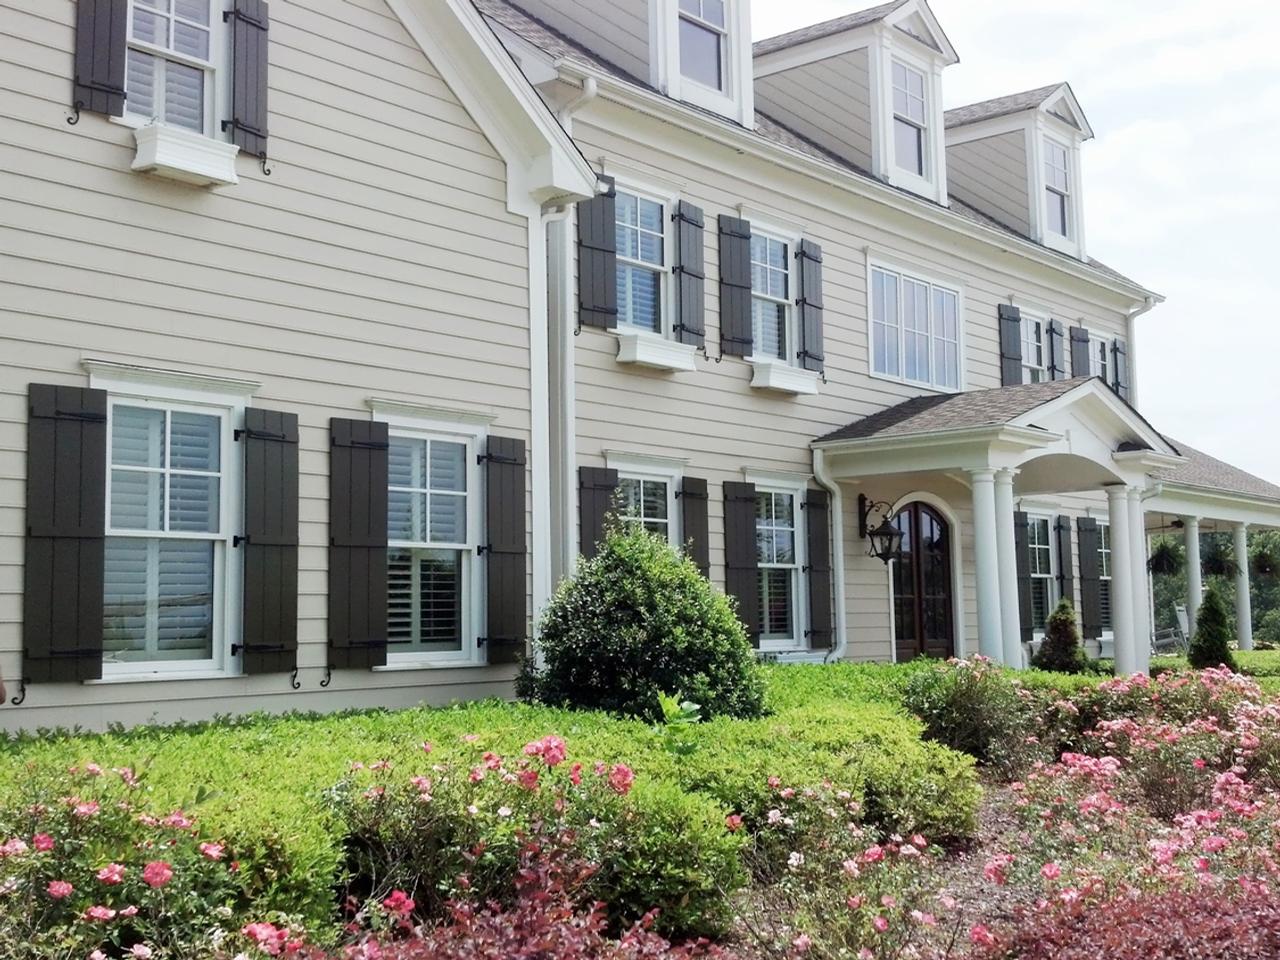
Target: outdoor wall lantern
(885,539)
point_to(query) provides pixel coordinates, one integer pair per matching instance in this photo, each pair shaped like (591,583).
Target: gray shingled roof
(546,37)
(1000,106)
(935,413)
(1202,470)
(817,31)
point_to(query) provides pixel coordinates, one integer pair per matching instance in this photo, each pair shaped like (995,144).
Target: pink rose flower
(980,936)
(130,911)
(881,923)
(141,951)
(802,943)
(59,889)
(100,913)
(1051,871)
(873,854)
(621,778)
(42,842)
(528,779)
(111,874)
(398,903)
(212,851)
(733,823)
(84,810)
(157,873)
(575,774)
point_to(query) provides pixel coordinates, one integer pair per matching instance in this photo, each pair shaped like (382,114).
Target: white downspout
(1131,331)
(825,480)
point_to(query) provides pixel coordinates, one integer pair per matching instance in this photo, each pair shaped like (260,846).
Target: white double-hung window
(779,558)
(169,503)
(1057,188)
(703,38)
(910,124)
(1034,366)
(1104,575)
(170,72)
(772,314)
(649,502)
(1041,565)
(642,262)
(915,329)
(432,536)
(1100,358)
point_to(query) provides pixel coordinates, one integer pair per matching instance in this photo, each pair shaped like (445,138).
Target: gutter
(825,480)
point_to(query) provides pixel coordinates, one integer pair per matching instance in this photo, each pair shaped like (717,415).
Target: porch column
(1007,554)
(1195,582)
(1141,606)
(987,564)
(1122,592)
(1244,605)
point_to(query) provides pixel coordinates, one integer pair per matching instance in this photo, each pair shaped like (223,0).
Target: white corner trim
(651,350)
(624,461)
(185,156)
(448,418)
(107,374)
(782,377)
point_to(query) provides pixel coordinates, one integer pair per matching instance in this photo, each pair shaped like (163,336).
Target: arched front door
(923,606)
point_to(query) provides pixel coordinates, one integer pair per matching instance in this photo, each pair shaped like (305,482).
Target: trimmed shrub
(1060,651)
(637,621)
(1210,647)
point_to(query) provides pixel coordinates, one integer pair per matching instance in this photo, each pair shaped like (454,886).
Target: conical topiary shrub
(1210,646)
(1060,650)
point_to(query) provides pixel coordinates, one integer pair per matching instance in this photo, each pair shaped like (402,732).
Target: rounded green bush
(637,621)
(1060,651)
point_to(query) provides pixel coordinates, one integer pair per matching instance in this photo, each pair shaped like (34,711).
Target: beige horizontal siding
(991,175)
(829,102)
(617,32)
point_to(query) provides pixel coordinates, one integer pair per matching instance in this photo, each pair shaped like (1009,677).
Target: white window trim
(1108,633)
(796,484)
(876,261)
(669,472)
(125,382)
(882,54)
(773,373)
(737,101)
(1096,340)
(1043,130)
(1051,601)
(473,431)
(1042,317)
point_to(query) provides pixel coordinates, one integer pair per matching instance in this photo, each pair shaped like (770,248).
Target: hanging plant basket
(1265,563)
(1166,559)
(1218,560)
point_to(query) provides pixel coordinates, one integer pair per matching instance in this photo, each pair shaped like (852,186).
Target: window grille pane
(191,41)
(638,293)
(1057,204)
(195,441)
(769,328)
(150,28)
(655,500)
(137,437)
(141,84)
(194,10)
(193,503)
(630,498)
(776,604)
(406,516)
(137,500)
(185,600)
(448,466)
(915,322)
(885,322)
(448,518)
(909,146)
(1039,602)
(424,600)
(700,54)
(407,463)
(158,599)
(184,96)
(124,628)
(784,546)
(1104,597)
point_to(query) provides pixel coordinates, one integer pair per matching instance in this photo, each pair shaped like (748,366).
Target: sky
(1181,185)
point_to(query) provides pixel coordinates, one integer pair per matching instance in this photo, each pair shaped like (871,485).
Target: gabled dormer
(868,88)
(1017,159)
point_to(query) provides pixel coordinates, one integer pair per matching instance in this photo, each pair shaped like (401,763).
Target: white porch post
(1007,558)
(1141,607)
(1244,605)
(1195,582)
(987,564)
(1122,592)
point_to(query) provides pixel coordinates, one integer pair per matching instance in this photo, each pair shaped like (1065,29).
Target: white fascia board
(1064,94)
(1190,501)
(739,140)
(1023,121)
(1095,390)
(543,162)
(919,8)
(978,438)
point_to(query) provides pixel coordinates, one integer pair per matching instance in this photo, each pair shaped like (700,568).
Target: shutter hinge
(235,542)
(22,692)
(494,458)
(79,415)
(257,648)
(239,14)
(260,435)
(482,550)
(685,495)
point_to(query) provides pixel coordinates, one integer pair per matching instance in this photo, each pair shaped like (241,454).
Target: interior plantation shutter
(1022,547)
(101,48)
(735,287)
(357,543)
(248,123)
(1120,369)
(596,489)
(1089,543)
(66,521)
(1062,544)
(741,577)
(1010,344)
(507,550)
(810,305)
(690,275)
(817,520)
(270,541)
(1080,365)
(598,259)
(1057,352)
(693,520)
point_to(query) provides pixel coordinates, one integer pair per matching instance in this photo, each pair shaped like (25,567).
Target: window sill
(157,676)
(793,656)
(184,156)
(914,384)
(410,665)
(659,353)
(782,377)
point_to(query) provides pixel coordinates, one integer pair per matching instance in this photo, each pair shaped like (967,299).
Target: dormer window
(910,126)
(1057,189)
(703,36)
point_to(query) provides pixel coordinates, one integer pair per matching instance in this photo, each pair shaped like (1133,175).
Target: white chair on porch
(1172,640)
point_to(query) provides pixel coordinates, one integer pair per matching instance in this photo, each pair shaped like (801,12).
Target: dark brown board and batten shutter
(810,305)
(689,275)
(1066,566)
(66,520)
(248,123)
(693,521)
(741,577)
(1010,345)
(735,287)
(1080,365)
(1057,351)
(1022,548)
(1120,369)
(269,642)
(597,487)
(358,451)
(817,511)
(1089,544)
(507,550)
(101,48)
(598,259)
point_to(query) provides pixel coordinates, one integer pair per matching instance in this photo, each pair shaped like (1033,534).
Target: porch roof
(1210,473)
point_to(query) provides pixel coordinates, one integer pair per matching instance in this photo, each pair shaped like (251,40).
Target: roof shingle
(1202,470)
(817,31)
(999,106)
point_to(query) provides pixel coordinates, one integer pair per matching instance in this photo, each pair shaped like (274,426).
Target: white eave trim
(382,407)
(1028,438)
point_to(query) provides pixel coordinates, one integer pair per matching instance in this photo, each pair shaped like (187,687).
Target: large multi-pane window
(1040,551)
(915,329)
(166,538)
(771,313)
(646,501)
(641,240)
(704,35)
(430,544)
(1057,188)
(910,128)
(777,556)
(169,68)
(1104,572)
(1034,368)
